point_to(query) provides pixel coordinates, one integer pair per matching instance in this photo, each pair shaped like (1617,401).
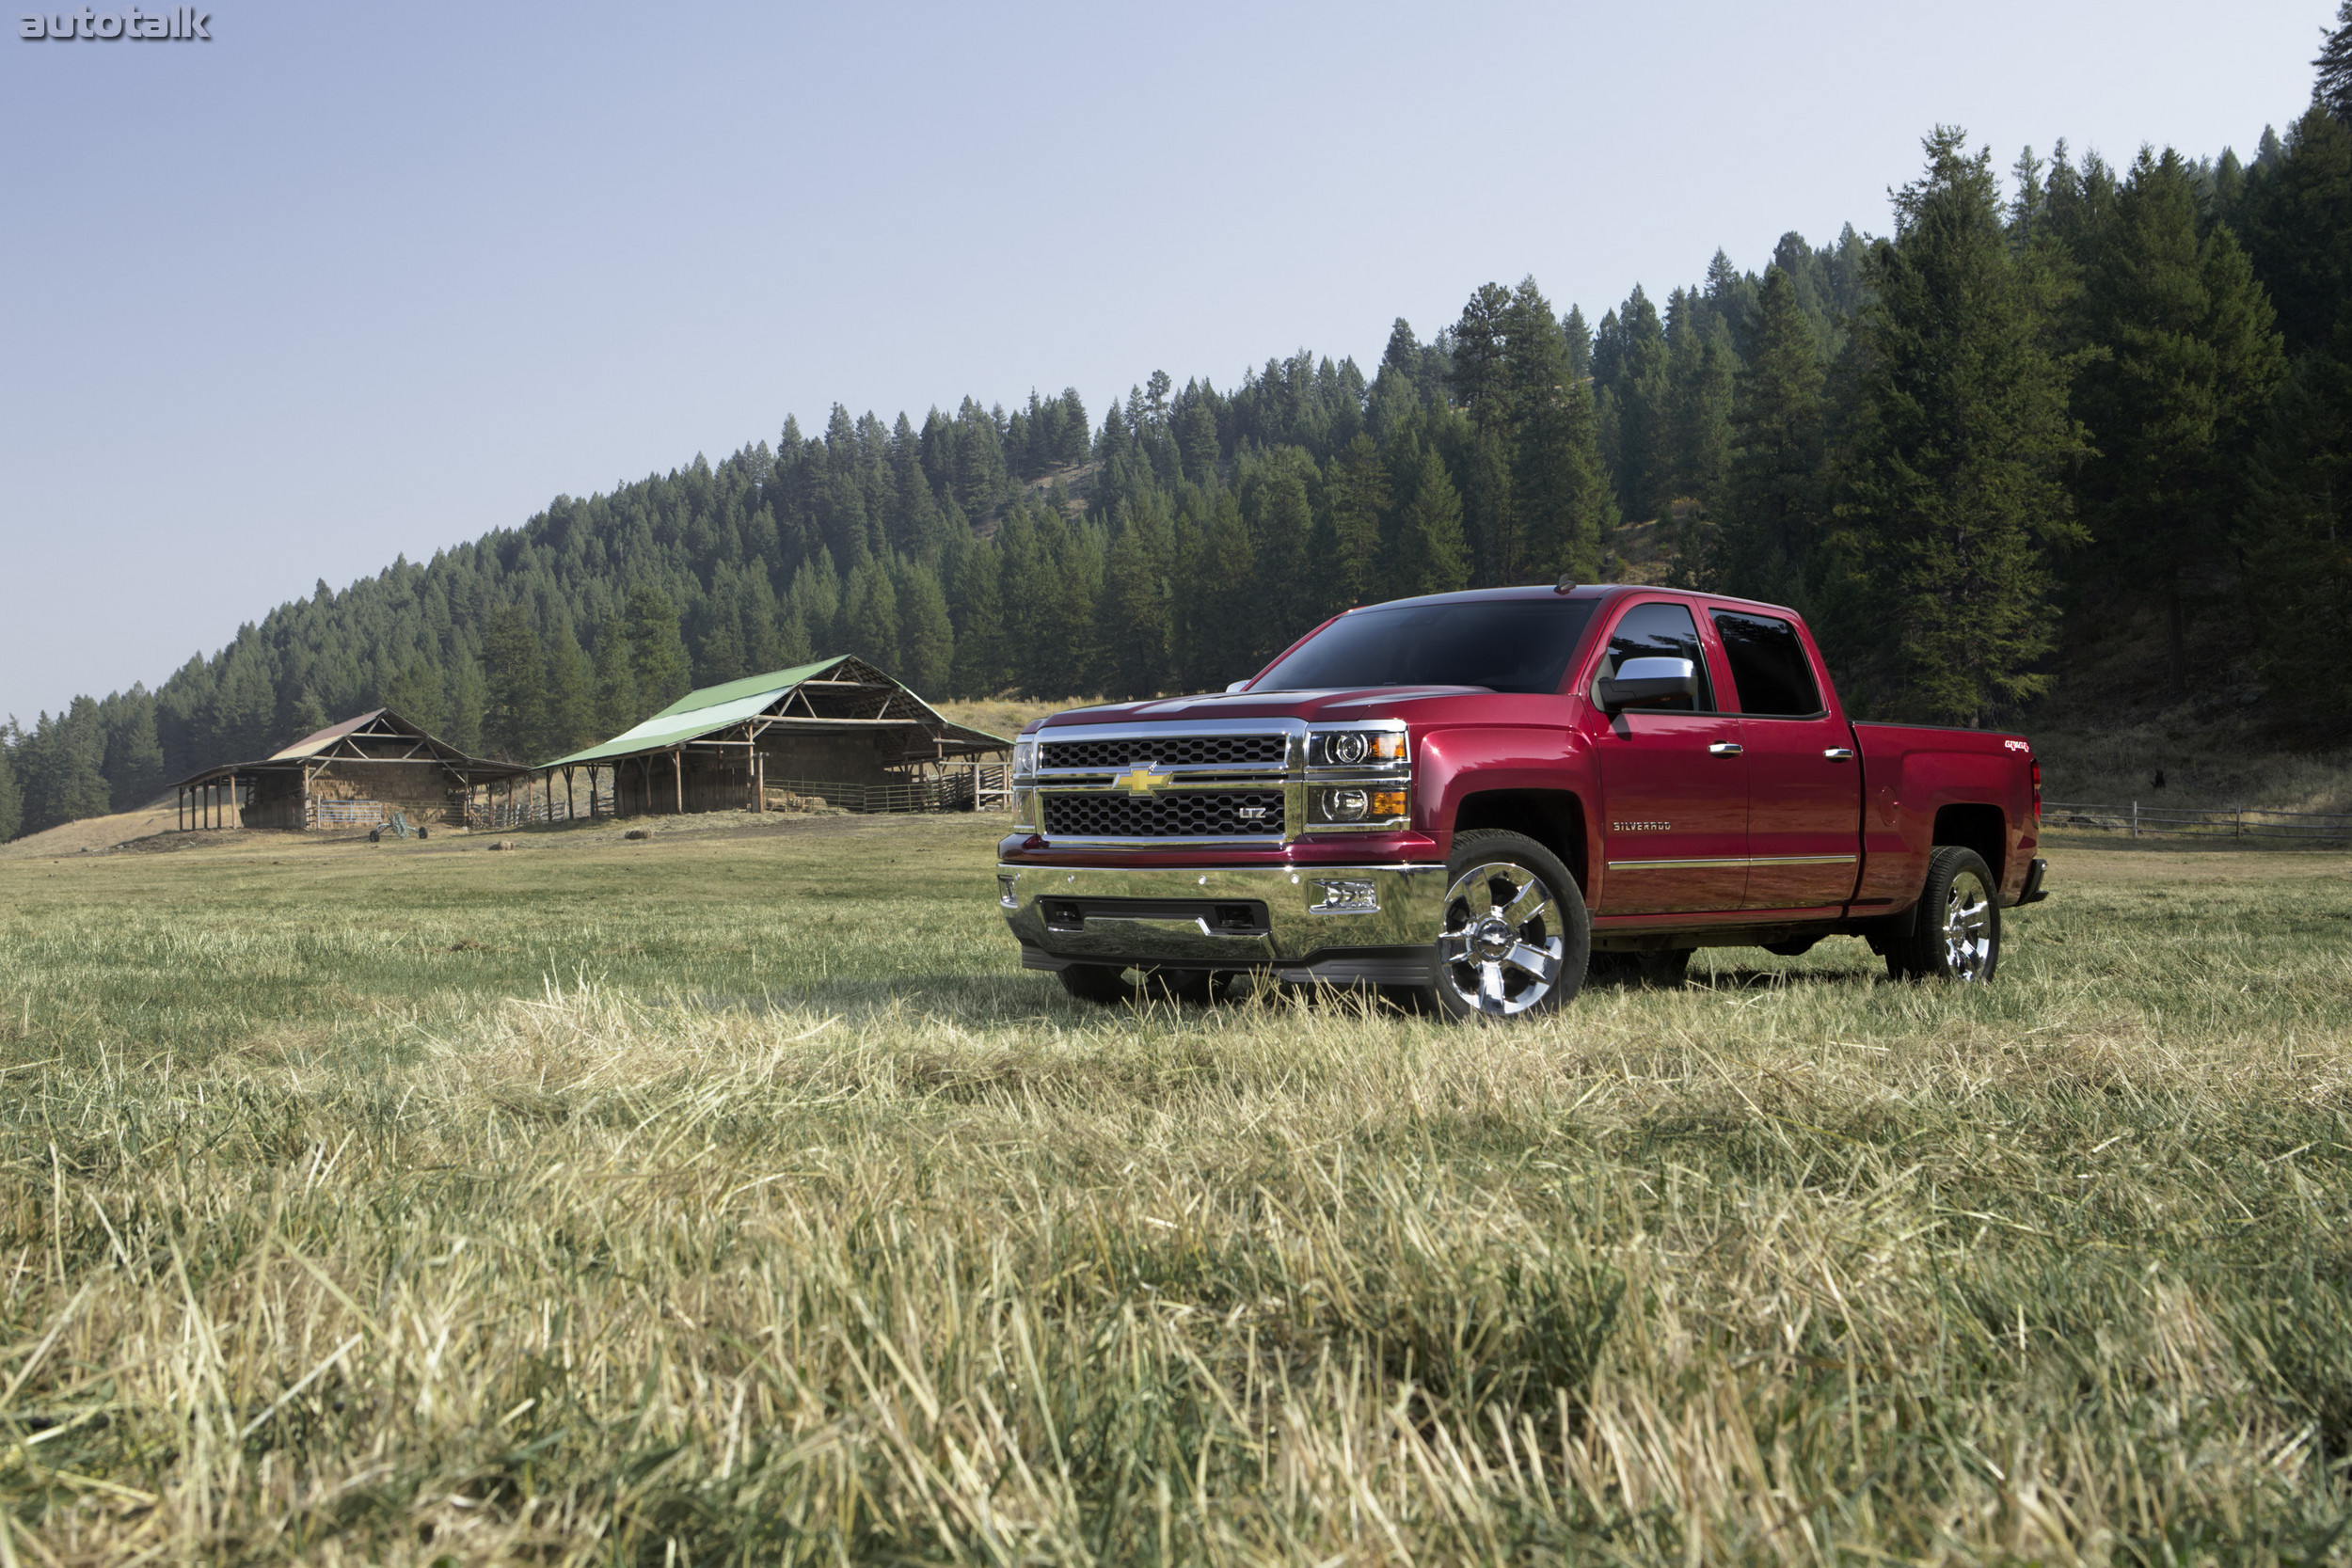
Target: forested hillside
(2086,402)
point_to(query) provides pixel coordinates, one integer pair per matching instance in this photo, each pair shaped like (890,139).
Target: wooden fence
(972,789)
(2253,823)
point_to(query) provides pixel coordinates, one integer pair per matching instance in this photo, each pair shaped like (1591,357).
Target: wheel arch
(1975,826)
(1552,817)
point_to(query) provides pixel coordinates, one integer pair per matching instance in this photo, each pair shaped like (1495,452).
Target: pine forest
(2061,405)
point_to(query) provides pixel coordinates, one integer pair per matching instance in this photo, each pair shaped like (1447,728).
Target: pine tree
(244,703)
(1957,452)
(571,696)
(1069,657)
(417,694)
(135,758)
(305,715)
(869,615)
(1215,582)
(514,676)
(2334,88)
(2190,361)
(1431,554)
(617,706)
(978,617)
(462,717)
(1281,526)
(816,594)
(1644,462)
(2296,533)
(1701,366)
(657,651)
(2298,228)
(1134,612)
(1579,338)
(1559,496)
(927,637)
(11,797)
(1356,493)
(1773,499)
(58,769)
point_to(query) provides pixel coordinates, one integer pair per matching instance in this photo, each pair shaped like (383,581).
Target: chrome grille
(1188,814)
(1186,750)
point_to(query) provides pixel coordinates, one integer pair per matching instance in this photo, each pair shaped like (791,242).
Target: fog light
(1346,805)
(1335,897)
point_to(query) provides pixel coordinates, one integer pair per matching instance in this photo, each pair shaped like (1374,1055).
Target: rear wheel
(1954,932)
(1513,939)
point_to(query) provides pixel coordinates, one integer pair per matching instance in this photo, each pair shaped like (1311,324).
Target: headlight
(1358,806)
(1024,756)
(1379,750)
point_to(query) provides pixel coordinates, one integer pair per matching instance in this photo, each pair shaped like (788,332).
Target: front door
(1805,783)
(1673,784)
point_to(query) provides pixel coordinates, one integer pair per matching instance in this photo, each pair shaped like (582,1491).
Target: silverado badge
(1141,782)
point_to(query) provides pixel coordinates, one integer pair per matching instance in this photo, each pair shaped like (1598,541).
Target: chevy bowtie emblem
(1141,782)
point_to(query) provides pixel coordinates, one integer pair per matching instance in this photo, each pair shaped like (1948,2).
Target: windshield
(1502,644)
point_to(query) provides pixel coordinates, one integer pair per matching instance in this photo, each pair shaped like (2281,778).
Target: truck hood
(1360,702)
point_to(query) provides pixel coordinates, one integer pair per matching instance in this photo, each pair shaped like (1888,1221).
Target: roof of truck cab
(1581,591)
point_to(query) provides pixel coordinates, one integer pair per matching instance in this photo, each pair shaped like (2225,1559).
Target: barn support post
(568,813)
(759,781)
(677,770)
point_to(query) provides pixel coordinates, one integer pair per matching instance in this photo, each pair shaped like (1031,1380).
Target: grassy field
(734,1196)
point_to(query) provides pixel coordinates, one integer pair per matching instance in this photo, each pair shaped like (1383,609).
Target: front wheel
(1515,938)
(1954,933)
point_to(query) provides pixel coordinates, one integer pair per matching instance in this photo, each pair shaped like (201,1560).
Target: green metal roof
(750,685)
(712,708)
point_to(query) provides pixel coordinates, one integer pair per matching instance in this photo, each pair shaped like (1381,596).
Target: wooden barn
(838,730)
(353,774)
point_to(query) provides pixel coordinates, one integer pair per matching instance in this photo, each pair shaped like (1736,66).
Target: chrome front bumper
(1337,924)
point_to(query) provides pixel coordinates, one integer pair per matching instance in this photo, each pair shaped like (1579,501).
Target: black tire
(1103,984)
(1954,932)
(1526,952)
(1657,969)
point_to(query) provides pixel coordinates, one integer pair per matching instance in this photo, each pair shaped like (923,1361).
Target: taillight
(2035,767)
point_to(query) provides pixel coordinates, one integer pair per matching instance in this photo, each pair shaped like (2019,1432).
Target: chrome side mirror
(1648,683)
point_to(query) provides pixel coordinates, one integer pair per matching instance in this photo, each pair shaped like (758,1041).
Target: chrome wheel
(1968,928)
(1502,950)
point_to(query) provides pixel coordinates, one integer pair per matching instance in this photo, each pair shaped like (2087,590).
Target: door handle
(1724,749)
(1839,754)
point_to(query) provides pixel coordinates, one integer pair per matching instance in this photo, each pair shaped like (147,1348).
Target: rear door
(1673,784)
(1804,785)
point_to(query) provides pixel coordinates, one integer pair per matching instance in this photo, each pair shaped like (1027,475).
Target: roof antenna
(1565,584)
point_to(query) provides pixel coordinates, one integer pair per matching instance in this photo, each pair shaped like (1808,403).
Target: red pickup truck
(1486,796)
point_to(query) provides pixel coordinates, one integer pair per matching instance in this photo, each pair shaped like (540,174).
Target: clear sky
(352,280)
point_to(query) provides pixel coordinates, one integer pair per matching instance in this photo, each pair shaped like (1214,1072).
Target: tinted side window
(1768,665)
(1661,631)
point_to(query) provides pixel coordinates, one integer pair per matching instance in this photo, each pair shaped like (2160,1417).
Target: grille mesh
(1194,814)
(1230,751)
